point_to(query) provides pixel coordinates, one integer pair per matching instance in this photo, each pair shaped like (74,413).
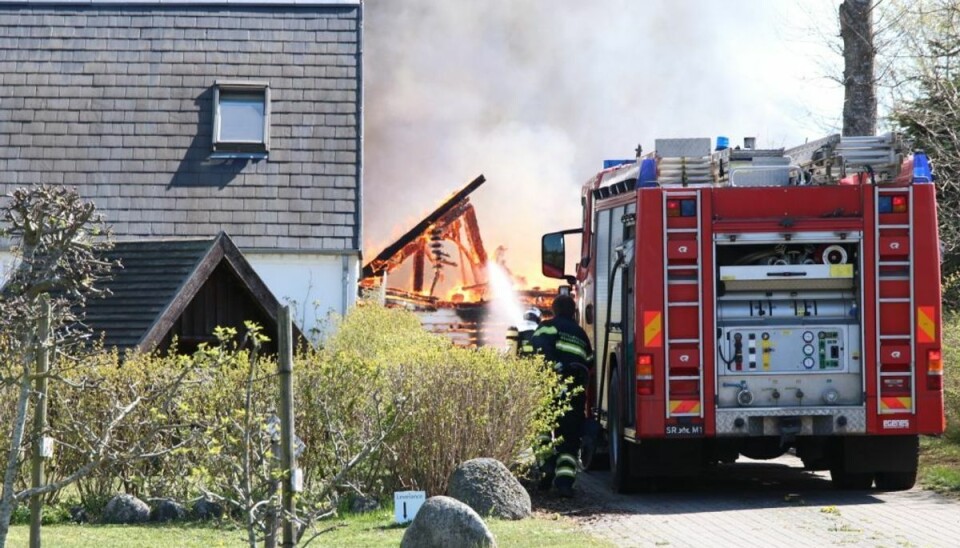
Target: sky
(535,94)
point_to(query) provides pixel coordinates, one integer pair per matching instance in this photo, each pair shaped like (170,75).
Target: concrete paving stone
(743,505)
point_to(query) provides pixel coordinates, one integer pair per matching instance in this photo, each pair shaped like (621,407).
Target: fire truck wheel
(592,455)
(896,481)
(620,478)
(851,480)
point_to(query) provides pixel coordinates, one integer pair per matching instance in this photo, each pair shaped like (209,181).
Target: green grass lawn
(124,536)
(375,529)
(940,464)
(370,530)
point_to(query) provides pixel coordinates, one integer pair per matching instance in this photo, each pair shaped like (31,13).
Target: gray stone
(362,505)
(167,510)
(125,508)
(443,522)
(487,486)
(78,514)
(205,510)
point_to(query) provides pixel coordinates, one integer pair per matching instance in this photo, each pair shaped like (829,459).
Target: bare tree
(58,240)
(859,83)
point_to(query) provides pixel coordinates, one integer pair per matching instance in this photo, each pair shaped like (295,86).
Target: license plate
(680,430)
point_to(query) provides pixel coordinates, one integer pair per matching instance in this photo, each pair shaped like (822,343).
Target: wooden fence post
(37,477)
(287,458)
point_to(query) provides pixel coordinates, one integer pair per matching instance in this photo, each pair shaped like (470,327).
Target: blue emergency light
(884,204)
(648,173)
(607,164)
(921,168)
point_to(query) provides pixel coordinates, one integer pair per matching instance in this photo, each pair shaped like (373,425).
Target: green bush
(379,378)
(79,408)
(50,514)
(951,373)
(465,403)
(950,288)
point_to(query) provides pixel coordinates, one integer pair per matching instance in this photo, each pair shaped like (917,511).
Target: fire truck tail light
(934,363)
(645,366)
(934,370)
(673,208)
(892,204)
(644,375)
(681,208)
(899,204)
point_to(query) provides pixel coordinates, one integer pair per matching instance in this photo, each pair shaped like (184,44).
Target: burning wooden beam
(394,254)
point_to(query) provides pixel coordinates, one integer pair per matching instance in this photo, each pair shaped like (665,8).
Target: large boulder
(205,509)
(487,486)
(167,510)
(443,522)
(125,509)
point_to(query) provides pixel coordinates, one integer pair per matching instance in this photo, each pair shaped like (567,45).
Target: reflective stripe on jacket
(562,340)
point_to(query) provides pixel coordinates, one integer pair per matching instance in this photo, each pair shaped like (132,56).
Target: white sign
(46,447)
(896,423)
(406,504)
(297,480)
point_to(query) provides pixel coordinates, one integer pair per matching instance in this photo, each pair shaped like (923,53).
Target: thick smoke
(535,94)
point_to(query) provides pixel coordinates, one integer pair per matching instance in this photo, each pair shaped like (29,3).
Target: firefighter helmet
(532,315)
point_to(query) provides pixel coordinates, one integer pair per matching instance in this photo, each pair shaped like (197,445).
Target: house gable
(180,289)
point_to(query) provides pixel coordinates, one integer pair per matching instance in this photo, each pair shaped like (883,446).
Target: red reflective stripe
(896,403)
(653,329)
(684,406)
(926,327)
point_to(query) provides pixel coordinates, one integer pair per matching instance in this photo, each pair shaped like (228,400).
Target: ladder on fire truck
(680,402)
(896,361)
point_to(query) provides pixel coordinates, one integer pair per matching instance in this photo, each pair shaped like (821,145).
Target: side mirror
(553,256)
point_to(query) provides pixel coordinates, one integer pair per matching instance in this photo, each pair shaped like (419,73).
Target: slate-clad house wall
(117,99)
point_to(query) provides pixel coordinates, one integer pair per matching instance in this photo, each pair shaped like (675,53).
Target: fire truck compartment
(789,348)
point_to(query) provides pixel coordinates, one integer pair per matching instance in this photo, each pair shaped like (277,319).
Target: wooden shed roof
(158,280)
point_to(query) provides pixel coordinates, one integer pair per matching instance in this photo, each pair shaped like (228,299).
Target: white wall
(313,284)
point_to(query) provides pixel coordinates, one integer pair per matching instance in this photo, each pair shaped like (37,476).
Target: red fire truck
(749,302)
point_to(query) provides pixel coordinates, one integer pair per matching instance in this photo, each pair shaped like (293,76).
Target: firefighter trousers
(562,463)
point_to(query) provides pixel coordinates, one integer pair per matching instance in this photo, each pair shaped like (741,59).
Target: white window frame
(241,148)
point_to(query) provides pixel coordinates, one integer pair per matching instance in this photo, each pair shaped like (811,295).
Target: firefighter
(564,343)
(531,321)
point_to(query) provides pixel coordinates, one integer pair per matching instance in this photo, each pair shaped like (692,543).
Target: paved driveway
(761,504)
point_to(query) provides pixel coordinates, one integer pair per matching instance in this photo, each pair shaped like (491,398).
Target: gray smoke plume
(535,94)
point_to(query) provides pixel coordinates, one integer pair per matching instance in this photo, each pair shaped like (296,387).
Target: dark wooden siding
(223,301)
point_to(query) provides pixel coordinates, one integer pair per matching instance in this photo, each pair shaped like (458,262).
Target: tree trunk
(7,501)
(860,94)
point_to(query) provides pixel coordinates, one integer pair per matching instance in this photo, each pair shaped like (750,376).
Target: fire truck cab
(750,302)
